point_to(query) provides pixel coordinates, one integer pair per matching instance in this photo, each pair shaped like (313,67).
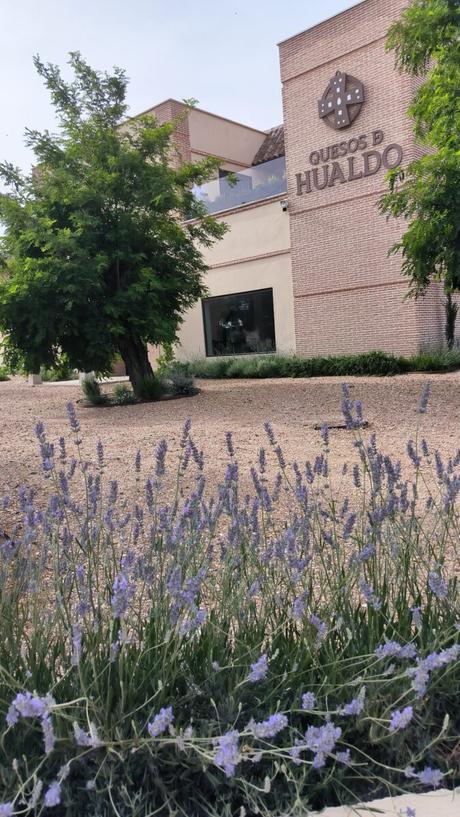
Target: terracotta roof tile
(272,147)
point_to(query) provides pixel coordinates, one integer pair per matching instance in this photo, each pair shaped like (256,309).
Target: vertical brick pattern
(167,112)
(348,293)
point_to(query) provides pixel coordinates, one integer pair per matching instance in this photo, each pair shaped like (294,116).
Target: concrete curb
(440,803)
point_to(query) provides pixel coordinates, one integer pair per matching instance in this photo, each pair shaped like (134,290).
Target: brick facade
(348,294)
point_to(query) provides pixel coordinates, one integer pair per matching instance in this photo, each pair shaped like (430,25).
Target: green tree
(426,43)
(96,259)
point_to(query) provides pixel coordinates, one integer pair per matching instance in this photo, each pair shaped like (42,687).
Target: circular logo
(342,101)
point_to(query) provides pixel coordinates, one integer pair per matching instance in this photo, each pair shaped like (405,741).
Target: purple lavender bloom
(410,812)
(72,415)
(161,722)
(392,649)
(262,461)
(123,592)
(348,526)
(321,741)
(399,719)
(424,397)
(6,809)
(100,453)
(160,456)
(49,738)
(137,462)
(82,738)
(416,616)
(259,669)
(27,705)
(269,728)
(368,593)
(298,607)
(356,706)
(227,756)
(437,584)
(53,795)
(270,434)
(229,443)
(356,476)
(412,454)
(280,457)
(321,628)
(308,701)
(430,777)
(343,757)
(185,432)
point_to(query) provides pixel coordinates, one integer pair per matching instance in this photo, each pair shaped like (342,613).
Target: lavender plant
(218,652)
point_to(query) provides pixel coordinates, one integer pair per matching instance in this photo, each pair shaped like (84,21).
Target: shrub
(443,361)
(221,651)
(4,374)
(151,389)
(177,379)
(93,393)
(61,371)
(368,364)
(123,395)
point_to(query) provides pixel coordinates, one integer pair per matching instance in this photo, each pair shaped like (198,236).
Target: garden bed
(219,651)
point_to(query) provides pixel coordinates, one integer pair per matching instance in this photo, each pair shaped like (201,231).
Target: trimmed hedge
(368,364)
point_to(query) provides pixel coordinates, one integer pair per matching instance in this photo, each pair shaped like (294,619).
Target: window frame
(236,295)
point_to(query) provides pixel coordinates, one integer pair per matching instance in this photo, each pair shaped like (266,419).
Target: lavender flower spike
(53,795)
(400,719)
(259,669)
(270,727)
(227,756)
(308,701)
(161,722)
(6,809)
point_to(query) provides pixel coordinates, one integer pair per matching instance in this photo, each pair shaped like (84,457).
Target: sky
(221,52)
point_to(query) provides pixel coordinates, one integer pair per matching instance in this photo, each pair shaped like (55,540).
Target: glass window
(239,324)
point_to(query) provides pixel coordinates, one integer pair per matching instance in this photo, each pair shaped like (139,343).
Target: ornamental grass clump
(225,651)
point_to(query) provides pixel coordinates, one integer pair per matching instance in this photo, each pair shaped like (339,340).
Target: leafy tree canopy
(102,252)
(426,42)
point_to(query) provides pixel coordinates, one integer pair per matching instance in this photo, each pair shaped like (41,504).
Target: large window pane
(239,324)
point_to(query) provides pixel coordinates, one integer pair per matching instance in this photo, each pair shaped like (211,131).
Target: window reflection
(239,324)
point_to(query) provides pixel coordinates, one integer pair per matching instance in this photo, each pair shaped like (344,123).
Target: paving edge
(440,803)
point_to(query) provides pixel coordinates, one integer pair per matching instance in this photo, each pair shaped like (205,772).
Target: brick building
(304,266)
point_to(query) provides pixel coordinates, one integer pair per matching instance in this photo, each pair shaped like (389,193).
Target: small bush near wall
(223,651)
(4,374)
(368,364)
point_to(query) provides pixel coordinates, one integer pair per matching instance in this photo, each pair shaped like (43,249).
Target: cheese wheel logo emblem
(342,101)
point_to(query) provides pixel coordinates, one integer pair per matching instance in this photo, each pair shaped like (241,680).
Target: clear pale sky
(221,52)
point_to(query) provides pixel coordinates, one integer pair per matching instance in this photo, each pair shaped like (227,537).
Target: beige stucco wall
(215,136)
(254,254)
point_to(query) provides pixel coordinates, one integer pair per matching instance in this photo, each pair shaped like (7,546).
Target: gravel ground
(292,406)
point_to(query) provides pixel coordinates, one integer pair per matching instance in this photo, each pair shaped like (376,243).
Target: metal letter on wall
(342,101)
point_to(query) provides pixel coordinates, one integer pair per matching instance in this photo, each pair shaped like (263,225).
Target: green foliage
(128,611)
(95,259)
(426,41)
(178,379)
(123,395)
(151,389)
(165,359)
(4,373)
(93,393)
(366,364)
(62,370)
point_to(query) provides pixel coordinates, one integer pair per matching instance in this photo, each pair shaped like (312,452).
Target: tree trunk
(451,315)
(135,357)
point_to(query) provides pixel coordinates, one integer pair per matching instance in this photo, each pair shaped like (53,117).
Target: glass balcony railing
(254,184)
